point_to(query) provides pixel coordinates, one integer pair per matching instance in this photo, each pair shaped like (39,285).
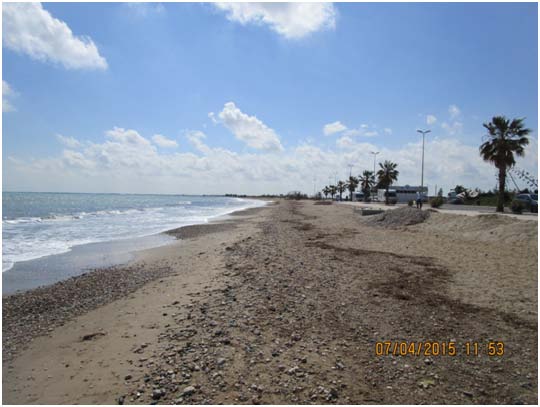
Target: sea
(38,226)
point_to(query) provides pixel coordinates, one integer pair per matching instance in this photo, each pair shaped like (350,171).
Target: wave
(80,215)
(29,238)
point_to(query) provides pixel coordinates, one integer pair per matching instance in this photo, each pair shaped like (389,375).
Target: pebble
(188,391)
(157,394)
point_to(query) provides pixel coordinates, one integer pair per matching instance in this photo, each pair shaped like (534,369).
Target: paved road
(477,208)
(469,210)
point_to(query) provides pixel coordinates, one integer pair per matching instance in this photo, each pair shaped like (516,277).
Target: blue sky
(240,95)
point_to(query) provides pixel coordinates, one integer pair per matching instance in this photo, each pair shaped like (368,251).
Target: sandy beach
(286,304)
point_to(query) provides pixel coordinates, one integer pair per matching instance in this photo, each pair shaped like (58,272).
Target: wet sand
(286,304)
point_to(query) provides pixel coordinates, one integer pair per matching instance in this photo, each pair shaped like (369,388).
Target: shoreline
(34,312)
(285,306)
(94,255)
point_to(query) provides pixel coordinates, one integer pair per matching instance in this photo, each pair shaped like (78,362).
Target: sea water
(35,225)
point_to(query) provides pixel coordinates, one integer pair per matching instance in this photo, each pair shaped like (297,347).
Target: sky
(254,98)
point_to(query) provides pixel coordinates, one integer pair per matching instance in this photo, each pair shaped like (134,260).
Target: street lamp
(374,162)
(423,132)
(350,169)
(374,159)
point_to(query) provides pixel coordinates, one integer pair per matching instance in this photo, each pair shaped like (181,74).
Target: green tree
(341,186)
(459,189)
(387,174)
(504,139)
(333,191)
(326,191)
(352,183)
(367,181)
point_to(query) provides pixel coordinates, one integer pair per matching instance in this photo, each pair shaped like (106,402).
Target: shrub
(517,207)
(296,195)
(436,202)
(411,203)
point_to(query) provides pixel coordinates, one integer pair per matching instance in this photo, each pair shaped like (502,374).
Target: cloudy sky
(258,98)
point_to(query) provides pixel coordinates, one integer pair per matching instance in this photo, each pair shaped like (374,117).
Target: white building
(404,193)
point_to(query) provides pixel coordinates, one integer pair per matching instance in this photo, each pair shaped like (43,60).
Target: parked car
(529,201)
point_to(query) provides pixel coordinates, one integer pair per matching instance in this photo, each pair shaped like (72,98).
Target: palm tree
(352,183)
(333,191)
(459,189)
(387,175)
(326,191)
(504,138)
(341,186)
(366,183)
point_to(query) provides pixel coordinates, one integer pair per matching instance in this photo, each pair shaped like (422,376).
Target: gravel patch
(36,312)
(399,217)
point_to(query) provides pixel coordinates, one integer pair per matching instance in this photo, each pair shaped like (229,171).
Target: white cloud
(196,139)
(454,111)
(249,129)
(31,30)
(127,137)
(388,131)
(77,160)
(364,131)
(332,128)
(7,93)
(290,20)
(212,116)
(125,161)
(452,128)
(68,141)
(430,119)
(144,9)
(345,142)
(163,141)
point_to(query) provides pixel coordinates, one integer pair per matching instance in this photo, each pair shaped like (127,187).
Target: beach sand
(285,304)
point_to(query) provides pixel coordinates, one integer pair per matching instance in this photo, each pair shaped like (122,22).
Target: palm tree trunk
(386,195)
(502,183)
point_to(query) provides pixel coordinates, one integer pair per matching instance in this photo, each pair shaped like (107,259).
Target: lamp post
(350,169)
(423,132)
(374,160)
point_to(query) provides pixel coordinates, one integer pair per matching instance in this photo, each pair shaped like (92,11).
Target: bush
(410,203)
(436,202)
(517,207)
(296,195)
